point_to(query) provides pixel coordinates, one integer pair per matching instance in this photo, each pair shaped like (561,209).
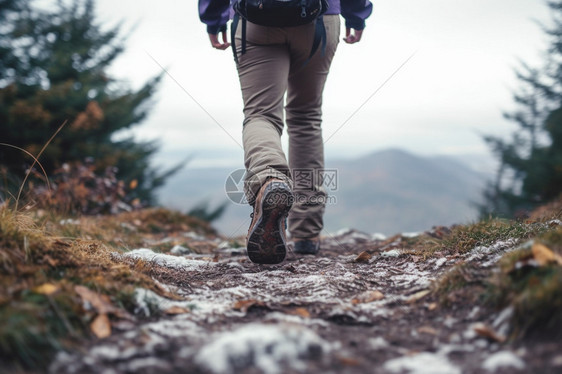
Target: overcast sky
(452,90)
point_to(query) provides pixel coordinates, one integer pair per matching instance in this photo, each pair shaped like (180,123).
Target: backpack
(280,13)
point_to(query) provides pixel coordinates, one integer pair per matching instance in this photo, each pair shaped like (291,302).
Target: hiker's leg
(304,119)
(263,72)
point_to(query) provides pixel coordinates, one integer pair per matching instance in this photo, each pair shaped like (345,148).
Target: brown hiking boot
(266,242)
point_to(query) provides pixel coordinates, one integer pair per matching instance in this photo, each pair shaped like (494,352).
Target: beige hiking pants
(274,65)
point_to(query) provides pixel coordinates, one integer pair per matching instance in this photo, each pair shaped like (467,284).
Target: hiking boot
(266,242)
(307,246)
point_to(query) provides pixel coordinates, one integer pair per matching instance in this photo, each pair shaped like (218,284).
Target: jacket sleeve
(215,14)
(355,12)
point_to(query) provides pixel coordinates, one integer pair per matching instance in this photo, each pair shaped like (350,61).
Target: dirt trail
(343,311)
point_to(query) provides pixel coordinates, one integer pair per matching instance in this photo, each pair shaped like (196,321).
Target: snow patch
(180,250)
(503,359)
(378,236)
(268,348)
(411,234)
(378,343)
(148,363)
(422,363)
(147,301)
(391,253)
(288,318)
(168,261)
(481,252)
(501,323)
(440,262)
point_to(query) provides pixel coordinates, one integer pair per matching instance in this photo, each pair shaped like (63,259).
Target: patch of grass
(459,284)
(44,258)
(533,290)
(461,239)
(532,287)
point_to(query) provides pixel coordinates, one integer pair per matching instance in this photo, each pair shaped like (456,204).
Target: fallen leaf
(100,303)
(46,289)
(301,312)
(368,297)
(363,257)
(418,296)
(416,258)
(51,261)
(432,306)
(101,327)
(244,305)
(545,256)
(348,361)
(486,332)
(176,310)
(427,330)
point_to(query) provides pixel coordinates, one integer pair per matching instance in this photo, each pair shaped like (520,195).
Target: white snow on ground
(378,343)
(378,236)
(492,252)
(422,363)
(297,287)
(288,318)
(147,300)
(180,250)
(501,323)
(440,262)
(411,234)
(411,276)
(503,359)
(169,261)
(266,347)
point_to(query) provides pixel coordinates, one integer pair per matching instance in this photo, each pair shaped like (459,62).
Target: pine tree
(530,171)
(53,71)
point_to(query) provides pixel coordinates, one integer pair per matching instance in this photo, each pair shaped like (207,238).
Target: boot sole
(266,241)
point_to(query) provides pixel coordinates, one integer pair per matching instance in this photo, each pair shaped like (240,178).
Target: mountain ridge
(386,191)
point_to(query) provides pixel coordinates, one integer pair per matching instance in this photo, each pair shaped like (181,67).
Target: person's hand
(216,43)
(354,37)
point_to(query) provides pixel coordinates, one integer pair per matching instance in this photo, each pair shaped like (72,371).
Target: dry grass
(533,290)
(42,260)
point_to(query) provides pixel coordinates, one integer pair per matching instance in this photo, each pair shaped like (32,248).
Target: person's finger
(225,39)
(358,35)
(347,33)
(216,43)
(353,37)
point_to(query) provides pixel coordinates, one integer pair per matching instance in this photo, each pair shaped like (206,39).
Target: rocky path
(362,306)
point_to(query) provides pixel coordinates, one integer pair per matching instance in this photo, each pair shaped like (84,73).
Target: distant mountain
(394,191)
(388,192)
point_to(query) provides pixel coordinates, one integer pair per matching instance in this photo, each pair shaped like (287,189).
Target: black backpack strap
(233,27)
(319,37)
(244,22)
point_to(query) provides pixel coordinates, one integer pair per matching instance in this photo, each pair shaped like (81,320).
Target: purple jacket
(216,13)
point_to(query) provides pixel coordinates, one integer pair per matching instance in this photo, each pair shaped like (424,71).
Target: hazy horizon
(441,102)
